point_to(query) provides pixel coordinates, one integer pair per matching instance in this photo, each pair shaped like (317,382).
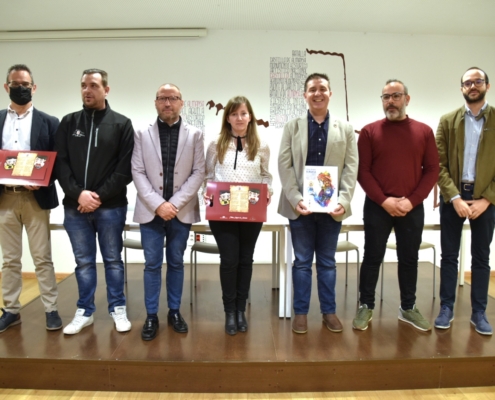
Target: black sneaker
(8,319)
(53,321)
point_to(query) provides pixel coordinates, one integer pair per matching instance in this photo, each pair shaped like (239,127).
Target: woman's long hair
(225,137)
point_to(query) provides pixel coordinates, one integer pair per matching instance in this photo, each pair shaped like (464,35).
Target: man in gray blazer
(316,139)
(168,167)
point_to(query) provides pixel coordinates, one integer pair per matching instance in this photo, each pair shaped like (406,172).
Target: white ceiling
(442,17)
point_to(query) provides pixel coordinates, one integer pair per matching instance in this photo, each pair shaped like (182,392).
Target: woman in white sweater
(238,155)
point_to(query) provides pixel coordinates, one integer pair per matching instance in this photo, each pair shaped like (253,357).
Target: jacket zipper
(89,148)
(96,138)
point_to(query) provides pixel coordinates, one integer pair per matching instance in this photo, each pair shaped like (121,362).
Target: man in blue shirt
(316,139)
(466,143)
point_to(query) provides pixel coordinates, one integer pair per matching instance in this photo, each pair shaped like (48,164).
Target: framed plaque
(321,188)
(26,167)
(234,201)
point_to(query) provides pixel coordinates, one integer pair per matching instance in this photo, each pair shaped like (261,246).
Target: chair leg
(434,269)
(125,264)
(357,273)
(191,278)
(383,273)
(195,269)
(346,266)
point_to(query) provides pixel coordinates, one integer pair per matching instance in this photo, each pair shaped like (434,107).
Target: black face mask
(20,95)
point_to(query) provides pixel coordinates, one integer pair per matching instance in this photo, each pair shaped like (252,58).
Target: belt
(16,189)
(467,187)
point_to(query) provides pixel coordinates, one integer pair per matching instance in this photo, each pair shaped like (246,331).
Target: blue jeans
(378,224)
(450,237)
(314,233)
(108,225)
(152,236)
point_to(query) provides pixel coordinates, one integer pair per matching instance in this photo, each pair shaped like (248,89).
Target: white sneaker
(79,322)
(122,324)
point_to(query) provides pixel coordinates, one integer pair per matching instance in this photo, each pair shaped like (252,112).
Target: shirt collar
(28,111)
(468,111)
(325,122)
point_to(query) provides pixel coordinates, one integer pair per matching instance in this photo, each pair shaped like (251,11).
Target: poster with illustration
(321,188)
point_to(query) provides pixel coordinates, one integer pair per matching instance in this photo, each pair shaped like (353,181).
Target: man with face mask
(398,167)
(23,127)
(466,144)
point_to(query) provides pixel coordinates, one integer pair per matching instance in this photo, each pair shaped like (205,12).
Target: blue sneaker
(445,317)
(481,324)
(8,319)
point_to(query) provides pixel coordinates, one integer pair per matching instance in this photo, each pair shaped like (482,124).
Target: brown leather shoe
(300,323)
(332,322)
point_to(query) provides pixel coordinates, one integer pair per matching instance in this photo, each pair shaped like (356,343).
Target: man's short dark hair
(487,81)
(316,75)
(104,75)
(406,91)
(19,67)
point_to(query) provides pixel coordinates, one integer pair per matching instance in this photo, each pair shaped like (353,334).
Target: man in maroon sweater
(398,166)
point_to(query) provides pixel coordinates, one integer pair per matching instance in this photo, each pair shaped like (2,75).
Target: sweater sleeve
(365,177)
(431,169)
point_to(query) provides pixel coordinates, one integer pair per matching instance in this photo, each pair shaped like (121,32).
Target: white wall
(227,63)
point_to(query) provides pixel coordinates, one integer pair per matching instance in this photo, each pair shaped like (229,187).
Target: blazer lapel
(35,129)
(3,116)
(155,139)
(303,139)
(183,134)
(333,136)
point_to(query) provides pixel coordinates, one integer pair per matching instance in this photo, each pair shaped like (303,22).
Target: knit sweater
(397,159)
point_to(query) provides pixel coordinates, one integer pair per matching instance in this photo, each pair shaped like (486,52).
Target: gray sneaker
(363,317)
(414,318)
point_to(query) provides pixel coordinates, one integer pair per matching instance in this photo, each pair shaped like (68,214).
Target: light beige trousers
(18,210)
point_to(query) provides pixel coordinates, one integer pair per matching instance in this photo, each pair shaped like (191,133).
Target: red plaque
(235,201)
(26,167)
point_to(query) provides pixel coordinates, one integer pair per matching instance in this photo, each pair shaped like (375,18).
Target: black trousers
(378,224)
(236,242)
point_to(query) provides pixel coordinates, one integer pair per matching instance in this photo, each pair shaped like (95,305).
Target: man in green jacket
(466,144)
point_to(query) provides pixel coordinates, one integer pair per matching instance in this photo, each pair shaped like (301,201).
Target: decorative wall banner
(193,113)
(287,76)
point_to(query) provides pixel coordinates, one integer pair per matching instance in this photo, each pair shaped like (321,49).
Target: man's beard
(471,100)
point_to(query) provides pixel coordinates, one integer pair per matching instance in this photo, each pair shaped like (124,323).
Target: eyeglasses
(14,84)
(171,99)
(476,82)
(394,96)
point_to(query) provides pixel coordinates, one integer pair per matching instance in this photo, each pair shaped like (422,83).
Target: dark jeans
(314,234)
(481,237)
(236,242)
(378,224)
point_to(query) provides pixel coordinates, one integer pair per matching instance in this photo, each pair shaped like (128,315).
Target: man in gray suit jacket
(316,139)
(23,127)
(168,168)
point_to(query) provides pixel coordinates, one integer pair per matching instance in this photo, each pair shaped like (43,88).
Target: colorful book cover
(321,188)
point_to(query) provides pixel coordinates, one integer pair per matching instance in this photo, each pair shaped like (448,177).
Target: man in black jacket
(25,128)
(94,148)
